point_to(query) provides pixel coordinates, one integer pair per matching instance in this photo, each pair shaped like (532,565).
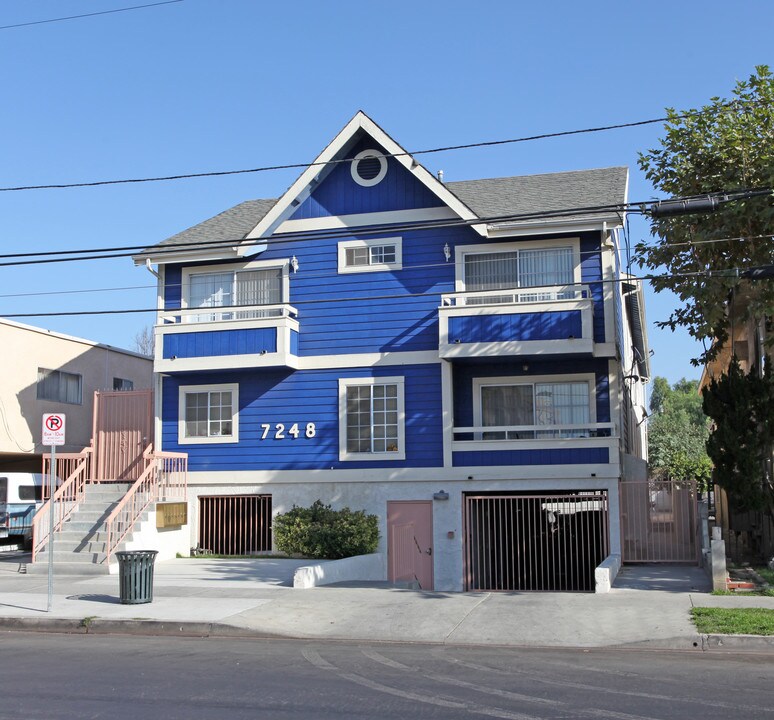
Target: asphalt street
(66,677)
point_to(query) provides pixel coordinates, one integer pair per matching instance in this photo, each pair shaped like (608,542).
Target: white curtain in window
(553,266)
(210,290)
(491,271)
(562,404)
(259,287)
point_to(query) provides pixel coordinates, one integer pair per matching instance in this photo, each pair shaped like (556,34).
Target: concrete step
(82,558)
(81,545)
(67,568)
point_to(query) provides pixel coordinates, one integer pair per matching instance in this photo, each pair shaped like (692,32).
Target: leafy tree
(724,146)
(677,433)
(742,410)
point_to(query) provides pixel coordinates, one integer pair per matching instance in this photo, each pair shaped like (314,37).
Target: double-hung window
(226,289)
(533,405)
(60,386)
(208,414)
(371,419)
(370,255)
(520,268)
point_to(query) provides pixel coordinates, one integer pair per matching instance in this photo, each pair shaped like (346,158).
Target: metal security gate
(659,522)
(234,524)
(123,428)
(549,543)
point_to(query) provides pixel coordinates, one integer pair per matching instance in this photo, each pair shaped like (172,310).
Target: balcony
(588,443)
(552,320)
(223,338)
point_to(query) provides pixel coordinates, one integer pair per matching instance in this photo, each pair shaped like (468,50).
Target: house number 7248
(293,431)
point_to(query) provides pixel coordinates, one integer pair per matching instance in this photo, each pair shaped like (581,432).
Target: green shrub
(323,533)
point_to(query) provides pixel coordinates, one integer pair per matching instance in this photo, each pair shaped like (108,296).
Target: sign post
(53,435)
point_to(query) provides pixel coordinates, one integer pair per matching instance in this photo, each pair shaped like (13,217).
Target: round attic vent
(368,168)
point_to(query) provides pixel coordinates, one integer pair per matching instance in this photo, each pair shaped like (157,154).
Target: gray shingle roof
(540,193)
(487,198)
(233,224)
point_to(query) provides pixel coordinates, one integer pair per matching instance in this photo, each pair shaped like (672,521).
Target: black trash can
(135,575)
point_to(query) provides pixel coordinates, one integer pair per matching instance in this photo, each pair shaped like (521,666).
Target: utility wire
(706,274)
(47,257)
(85,15)
(289,166)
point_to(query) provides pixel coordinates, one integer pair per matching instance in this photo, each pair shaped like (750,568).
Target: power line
(48,257)
(291,166)
(85,15)
(764,272)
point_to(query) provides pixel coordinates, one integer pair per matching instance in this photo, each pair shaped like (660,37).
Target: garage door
(529,542)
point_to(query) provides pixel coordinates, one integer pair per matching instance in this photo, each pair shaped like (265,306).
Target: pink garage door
(410,542)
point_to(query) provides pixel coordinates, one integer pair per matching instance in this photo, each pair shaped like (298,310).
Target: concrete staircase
(80,547)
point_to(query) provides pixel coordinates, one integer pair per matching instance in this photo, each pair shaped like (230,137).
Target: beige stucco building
(43,371)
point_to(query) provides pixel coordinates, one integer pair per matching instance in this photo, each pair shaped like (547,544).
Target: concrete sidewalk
(648,607)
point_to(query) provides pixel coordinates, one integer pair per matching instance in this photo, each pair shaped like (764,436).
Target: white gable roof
(336,150)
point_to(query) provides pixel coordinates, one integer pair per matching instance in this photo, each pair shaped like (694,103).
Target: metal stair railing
(165,475)
(75,467)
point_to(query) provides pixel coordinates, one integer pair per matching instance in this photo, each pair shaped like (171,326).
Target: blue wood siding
(339,194)
(463,376)
(554,456)
(518,326)
(591,274)
(250,341)
(303,397)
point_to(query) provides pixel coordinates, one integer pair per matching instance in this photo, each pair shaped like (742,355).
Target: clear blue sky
(205,85)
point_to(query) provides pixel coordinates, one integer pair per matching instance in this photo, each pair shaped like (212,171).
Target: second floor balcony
(219,338)
(547,320)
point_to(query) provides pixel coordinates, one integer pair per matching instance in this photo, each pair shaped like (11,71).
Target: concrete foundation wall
(372,496)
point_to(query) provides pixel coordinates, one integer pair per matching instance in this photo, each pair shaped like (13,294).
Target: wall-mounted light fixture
(294,264)
(447,252)
(441,495)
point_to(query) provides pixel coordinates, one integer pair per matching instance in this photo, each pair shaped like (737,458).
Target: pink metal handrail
(165,475)
(75,468)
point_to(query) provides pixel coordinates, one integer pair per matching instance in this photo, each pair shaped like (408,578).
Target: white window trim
(379,176)
(371,242)
(283,264)
(344,455)
(479,383)
(183,390)
(462,250)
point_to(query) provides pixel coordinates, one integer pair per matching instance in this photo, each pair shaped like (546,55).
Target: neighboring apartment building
(44,371)
(465,360)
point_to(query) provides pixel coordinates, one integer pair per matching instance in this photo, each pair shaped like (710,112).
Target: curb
(166,628)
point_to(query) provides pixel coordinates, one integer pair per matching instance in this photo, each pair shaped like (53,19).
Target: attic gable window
(368,168)
(370,255)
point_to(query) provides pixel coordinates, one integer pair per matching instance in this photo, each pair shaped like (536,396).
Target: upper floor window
(249,286)
(208,413)
(60,386)
(122,384)
(519,268)
(371,419)
(503,402)
(370,255)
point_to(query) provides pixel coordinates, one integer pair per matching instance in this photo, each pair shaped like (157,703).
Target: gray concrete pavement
(647,607)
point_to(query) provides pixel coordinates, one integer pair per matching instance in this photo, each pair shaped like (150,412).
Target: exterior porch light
(441,495)
(294,263)
(447,252)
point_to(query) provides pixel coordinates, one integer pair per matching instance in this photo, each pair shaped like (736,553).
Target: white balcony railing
(226,314)
(499,433)
(517,296)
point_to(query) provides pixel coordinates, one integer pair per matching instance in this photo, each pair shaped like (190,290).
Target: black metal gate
(234,524)
(548,543)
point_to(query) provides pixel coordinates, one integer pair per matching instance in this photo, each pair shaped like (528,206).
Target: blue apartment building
(466,360)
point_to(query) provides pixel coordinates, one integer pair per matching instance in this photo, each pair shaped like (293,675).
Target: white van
(23,495)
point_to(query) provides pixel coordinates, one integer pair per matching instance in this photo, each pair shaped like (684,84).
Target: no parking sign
(54,429)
